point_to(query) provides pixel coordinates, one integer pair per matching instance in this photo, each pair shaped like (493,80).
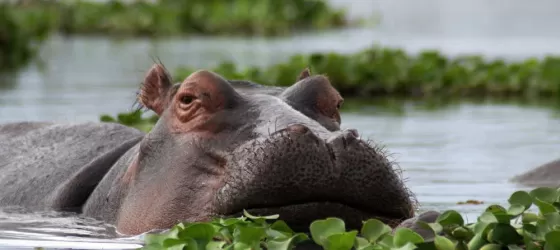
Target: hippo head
(216,151)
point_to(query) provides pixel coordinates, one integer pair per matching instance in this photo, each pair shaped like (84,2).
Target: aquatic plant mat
(498,227)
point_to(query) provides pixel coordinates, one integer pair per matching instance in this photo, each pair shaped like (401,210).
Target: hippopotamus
(219,147)
(547,175)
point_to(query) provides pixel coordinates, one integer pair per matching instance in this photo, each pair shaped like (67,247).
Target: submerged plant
(498,227)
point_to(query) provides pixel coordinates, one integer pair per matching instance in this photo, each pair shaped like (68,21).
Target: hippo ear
(304,74)
(153,93)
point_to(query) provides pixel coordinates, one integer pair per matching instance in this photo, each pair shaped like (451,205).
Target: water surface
(450,154)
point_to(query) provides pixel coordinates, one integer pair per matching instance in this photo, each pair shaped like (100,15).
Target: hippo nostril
(354,133)
(350,135)
(297,128)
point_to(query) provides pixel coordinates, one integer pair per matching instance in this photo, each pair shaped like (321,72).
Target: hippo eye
(338,105)
(187,99)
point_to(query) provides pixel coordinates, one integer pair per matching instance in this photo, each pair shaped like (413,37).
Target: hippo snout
(305,175)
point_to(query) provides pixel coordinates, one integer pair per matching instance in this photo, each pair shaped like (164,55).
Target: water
(451,154)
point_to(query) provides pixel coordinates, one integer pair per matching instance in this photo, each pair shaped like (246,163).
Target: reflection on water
(464,151)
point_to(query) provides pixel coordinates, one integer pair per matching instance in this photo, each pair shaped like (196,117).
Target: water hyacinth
(382,71)
(498,227)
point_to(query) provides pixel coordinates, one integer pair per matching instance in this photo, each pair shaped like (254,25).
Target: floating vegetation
(381,71)
(498,227)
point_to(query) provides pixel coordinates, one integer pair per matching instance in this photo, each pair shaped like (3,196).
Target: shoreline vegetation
(516,226)
(159,18)
(21,37)
(25,24)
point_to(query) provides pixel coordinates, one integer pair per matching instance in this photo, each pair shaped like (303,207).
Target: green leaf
(496,209)
(404,235)
(443,243)
(198,231)
(544,207)
(243,246)
(450,217)
(529,228)
(341,241)
(386,241)
(434,227)
(522,198)
(528,217)
(361,243)
(514,247)
(552,219)
(552,239)
(461,246)
(504,234)
(491,247)
(461,233)
(282,227)
(407,246)
(157,239)
(545,194)
(372,229)
(286,243)
(253,217)
(477,241)
(516,209)
(107,118)
(248,235)
(279,229)
(487,217)
(322,229)
(168,243)
(215,245)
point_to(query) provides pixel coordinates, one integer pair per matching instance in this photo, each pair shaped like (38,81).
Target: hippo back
(36,157)
(547,175)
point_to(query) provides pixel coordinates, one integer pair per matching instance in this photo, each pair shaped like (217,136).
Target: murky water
(465,151)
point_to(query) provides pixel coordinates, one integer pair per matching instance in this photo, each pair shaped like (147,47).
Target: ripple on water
(21,229)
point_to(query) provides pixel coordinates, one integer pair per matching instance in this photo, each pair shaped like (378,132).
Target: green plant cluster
(178,17)
(20,36)
(381,71)
(514,227)
(132,119)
